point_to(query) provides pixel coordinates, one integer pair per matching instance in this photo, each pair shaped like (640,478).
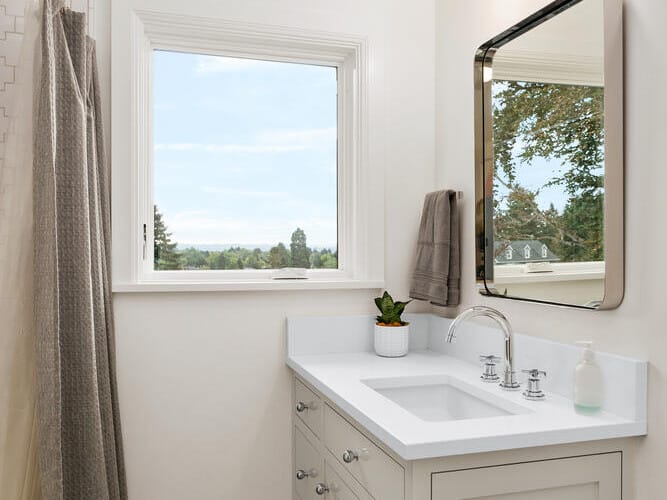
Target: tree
(552,121)
(299,249)
(329,261)
(165,255)
(279,257)
(583,228)
(315,260)
(522,219)
(256,260)
(193,258)
(534,120)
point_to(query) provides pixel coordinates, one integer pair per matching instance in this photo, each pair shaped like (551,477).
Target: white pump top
(587,345)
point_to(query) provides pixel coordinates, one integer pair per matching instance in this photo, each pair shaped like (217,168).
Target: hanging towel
(438,271)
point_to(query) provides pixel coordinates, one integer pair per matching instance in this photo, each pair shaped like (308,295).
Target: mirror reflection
(548,172)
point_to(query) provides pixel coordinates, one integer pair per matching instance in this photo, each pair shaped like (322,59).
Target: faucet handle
(534,392)
(489,374)
(535,373)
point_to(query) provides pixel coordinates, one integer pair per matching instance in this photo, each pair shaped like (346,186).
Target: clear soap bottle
(588,388)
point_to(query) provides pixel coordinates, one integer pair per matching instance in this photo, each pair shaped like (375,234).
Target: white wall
(638,327)
(204,392)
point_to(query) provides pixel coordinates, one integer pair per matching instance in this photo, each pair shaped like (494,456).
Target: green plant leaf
(387,303)
(400,307)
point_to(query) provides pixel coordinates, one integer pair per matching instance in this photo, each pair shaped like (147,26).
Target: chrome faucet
(509,382)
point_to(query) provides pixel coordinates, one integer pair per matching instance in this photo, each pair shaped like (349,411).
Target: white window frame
(526,252)
(360,197)
(509,252)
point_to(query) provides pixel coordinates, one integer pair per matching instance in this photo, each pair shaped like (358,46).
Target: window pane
(245,163)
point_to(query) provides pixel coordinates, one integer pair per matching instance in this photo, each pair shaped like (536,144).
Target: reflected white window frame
(508,253)
(360,201)
(526,252)
(545,251)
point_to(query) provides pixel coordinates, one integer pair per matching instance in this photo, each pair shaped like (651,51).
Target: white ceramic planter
(391,341)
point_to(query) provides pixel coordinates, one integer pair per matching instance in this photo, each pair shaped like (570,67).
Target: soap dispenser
(588,390)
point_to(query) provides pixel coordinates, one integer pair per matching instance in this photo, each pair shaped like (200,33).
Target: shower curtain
(80,446)
(59,422)
(19,478)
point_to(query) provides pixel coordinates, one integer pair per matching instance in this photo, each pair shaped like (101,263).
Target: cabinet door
(308,464)
(593,477)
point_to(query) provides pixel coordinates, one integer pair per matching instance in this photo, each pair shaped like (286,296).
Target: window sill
(246,285)
(564,271)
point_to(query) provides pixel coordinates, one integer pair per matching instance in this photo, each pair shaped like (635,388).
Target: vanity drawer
(376,471)
(308,407)
(592,477)
(338,490)
(307,465)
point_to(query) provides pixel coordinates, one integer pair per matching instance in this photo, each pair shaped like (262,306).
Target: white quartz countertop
(340,377)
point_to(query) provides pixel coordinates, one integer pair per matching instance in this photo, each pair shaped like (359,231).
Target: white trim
(561,271)
(247,285)
(360,202)
(526,251)
(536,66)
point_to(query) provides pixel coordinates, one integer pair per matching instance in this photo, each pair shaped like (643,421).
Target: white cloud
(230,148)
(207,65)
(202,226)
(268,142)
(246,193)
(300,136)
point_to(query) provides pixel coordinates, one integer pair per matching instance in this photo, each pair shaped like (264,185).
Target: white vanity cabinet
(337,459)
(591,477)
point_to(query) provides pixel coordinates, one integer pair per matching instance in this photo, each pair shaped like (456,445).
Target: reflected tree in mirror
(538,122)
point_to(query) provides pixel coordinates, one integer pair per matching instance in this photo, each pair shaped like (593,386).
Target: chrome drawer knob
(350,456)
(301,406)
(301,474)
(321,488)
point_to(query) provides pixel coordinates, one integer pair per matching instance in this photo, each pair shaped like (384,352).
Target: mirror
(549,157)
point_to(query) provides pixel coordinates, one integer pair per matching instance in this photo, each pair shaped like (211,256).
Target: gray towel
(438,270)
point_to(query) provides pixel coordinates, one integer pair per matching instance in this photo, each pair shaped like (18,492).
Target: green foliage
(279,257)
(553,121)
(583,229)
(328,260)
(165,255)
(390,311)
(522,219)
(299,248)
(533,120)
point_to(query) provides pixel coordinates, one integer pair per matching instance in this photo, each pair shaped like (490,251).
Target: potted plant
(391,333)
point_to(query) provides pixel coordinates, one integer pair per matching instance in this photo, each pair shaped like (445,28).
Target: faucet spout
(509,382)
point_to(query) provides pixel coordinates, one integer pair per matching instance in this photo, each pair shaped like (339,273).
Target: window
(526,252)
(240,149)
(244,163)
(508,253)
(544,252)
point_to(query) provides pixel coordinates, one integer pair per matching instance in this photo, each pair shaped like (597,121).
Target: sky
(244,150)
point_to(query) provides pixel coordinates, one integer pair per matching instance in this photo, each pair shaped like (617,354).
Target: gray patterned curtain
(80,446)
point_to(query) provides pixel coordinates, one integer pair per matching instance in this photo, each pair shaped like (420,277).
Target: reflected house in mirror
(523,252)
(549,170)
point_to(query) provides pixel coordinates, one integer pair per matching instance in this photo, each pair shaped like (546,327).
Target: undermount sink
(443,398)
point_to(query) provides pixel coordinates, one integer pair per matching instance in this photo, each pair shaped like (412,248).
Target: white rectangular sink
(443,398)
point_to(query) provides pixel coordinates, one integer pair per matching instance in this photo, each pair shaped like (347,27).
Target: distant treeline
(167,255)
